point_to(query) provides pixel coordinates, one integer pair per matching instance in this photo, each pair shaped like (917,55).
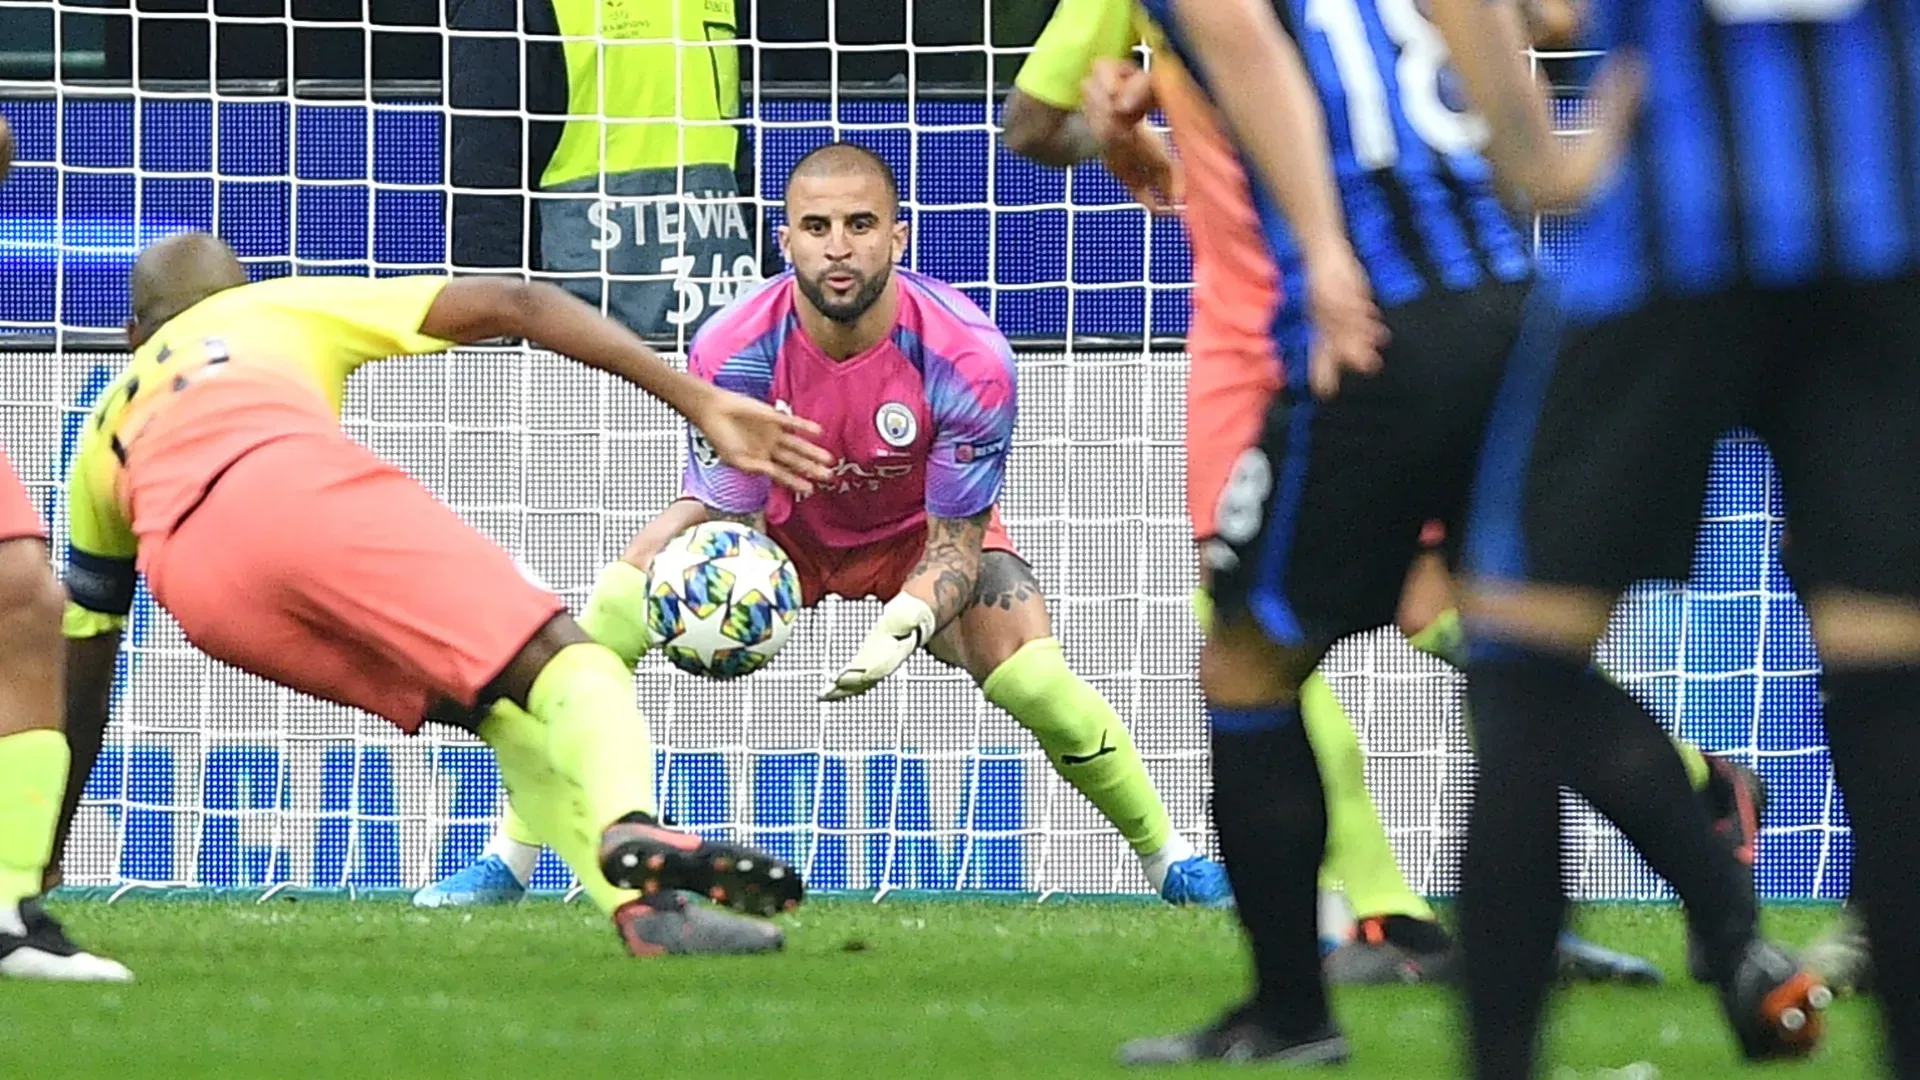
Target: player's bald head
(844,159)
(174,274)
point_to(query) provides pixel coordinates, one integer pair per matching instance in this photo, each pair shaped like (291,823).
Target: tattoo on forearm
(953,559)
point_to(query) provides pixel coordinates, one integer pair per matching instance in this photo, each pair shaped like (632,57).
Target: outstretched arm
(747,434)
(949,567)
(1489,48)
(680,515)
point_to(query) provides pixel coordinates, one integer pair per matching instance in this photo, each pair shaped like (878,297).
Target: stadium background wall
(212,779)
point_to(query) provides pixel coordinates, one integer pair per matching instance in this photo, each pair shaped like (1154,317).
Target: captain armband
(99,594)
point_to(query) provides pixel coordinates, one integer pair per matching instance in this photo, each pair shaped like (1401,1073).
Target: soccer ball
(722,599)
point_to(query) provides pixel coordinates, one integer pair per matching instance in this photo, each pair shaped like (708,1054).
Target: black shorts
(1320,521)
(1597,462)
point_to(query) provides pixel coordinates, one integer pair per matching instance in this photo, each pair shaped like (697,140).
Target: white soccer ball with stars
(722,599)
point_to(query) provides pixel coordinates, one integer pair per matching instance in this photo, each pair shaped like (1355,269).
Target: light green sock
(554,807)
(1698,770)
(33,779)
(616,613)
(596,737)
(516,827)
(1358,852)
(1084,738)
(1359,858)
(1446,639)
(616,616)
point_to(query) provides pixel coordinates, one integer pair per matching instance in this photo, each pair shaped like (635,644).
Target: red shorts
(316,564)
(1227,398)
(878,569)
(19,520)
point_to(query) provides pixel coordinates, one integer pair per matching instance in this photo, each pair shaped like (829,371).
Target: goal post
(211,779)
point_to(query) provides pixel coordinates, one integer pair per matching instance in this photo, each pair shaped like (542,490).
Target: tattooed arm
(950,566)
(939,588)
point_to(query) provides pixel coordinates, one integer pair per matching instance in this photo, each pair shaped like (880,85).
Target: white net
(212,778)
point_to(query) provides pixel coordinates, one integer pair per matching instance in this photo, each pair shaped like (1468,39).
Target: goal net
(211,778)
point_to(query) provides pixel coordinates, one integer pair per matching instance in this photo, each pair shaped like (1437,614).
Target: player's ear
(784,235)
(134,337)
(899,240)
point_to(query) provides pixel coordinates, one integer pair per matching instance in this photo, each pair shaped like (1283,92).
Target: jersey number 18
(1420,59)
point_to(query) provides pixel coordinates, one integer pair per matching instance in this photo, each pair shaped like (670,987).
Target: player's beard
(845,311)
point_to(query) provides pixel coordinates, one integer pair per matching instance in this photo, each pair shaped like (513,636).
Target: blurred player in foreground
(1232,378)
(915,387)
(1756,261)
(1320,521)
(215,465)
(34,757)
(1285,236)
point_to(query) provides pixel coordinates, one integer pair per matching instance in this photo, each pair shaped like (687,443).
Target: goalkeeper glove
(616,612)
(904,625)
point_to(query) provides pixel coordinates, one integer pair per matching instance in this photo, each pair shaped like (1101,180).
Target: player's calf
(34,763)
(1270,813)
(1871,680)
(1004,639)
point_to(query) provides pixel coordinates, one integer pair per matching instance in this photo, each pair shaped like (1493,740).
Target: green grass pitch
(372,988)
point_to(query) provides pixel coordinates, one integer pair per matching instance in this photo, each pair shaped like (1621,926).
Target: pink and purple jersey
(919,424)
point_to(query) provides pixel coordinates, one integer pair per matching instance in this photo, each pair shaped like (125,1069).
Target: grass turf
(326,988)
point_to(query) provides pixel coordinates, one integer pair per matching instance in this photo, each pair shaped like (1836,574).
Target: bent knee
(1008,611)
(1859,629)
(1428,592)
(30,594)
(1241,666)
(1563,619)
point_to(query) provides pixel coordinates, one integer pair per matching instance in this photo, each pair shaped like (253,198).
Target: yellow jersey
(1080,32)
(299,338)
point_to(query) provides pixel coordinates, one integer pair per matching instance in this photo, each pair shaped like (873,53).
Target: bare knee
(31,598)
(1564,619)
(1241,667)
(515,682)
(1427,593)
(1857,629)
(1008,611)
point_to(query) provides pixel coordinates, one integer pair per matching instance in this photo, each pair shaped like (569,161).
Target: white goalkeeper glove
(904,625)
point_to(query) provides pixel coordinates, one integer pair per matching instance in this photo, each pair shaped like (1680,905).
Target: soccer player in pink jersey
(914,389)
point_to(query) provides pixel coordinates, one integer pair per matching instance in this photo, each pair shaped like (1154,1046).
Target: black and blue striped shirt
(1418,196)
(1777,147)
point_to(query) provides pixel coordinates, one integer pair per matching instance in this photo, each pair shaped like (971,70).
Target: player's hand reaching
(756,438)
(904,625)
(1115,99)
(1348,332)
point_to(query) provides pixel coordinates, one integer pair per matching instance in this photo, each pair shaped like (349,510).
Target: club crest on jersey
(896,424)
